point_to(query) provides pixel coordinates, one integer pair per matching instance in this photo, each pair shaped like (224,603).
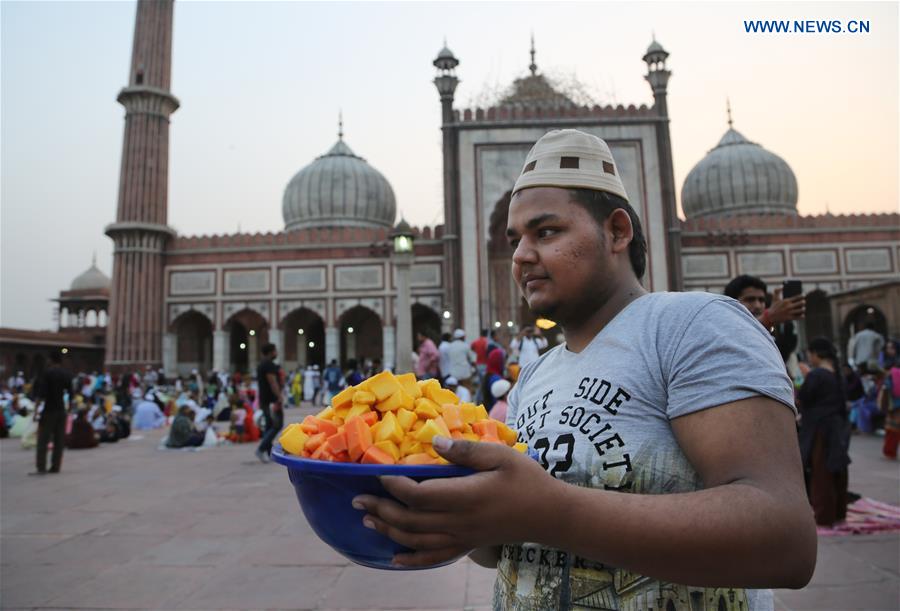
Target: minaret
(140,233)
(446,83)
(658,77)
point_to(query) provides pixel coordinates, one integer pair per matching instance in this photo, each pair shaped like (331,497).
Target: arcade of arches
(302,339)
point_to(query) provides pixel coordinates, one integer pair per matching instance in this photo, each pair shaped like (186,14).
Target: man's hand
(445,518)
(786,310)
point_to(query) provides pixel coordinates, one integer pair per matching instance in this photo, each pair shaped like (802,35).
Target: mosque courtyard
(128,526)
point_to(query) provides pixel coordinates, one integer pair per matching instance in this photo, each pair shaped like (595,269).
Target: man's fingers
(412,540)
(431,557)
(395,514)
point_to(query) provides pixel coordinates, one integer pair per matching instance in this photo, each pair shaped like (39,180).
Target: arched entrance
(248,332)
(426,321)
(858,319)
(361,335)
(304,339)
(193,332)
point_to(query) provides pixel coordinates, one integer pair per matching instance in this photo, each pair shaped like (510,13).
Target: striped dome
(739,177)
(338,189)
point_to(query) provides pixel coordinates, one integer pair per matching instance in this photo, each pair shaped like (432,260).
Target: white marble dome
(739,177)
(338,189)
(92,279)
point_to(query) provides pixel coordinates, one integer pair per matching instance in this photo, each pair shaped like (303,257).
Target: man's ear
(618,225)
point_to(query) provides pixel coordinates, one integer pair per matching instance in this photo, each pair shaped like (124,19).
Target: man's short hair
(737,286)
(268,349)
(600,204)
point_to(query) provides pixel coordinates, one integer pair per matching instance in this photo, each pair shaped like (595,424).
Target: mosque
(326,286)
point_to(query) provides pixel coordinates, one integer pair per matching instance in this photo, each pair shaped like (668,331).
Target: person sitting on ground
(83,435)
(182,434)
(147,414)
(499,390)
(238,418)
(110,433)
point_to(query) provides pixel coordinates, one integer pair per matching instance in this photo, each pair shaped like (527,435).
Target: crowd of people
(835,397)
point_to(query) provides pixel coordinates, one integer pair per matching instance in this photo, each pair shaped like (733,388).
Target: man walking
(270,401)
(54,385)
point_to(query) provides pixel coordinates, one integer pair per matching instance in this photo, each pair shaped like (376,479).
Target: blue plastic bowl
(326,490)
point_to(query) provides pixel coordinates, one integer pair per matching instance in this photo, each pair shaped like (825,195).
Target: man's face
(559,260)
(754,299)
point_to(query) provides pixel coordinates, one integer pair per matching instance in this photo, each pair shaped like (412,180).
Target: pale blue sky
(261,83)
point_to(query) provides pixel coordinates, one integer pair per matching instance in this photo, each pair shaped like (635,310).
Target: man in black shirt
(267,377)
(54,385)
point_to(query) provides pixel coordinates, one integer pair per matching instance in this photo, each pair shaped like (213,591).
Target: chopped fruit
(364,397)
(383,385)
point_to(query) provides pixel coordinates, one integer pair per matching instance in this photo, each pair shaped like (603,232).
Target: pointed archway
(361,336)
(249,332)
(193,342)
(304,339)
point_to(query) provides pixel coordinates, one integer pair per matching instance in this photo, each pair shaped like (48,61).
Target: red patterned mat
(865,517)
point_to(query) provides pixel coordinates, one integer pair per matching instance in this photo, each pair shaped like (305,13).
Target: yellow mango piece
(481,413)
(406,418)
(408,383)
(383,385)
(521,447)
(399,399)
(442,461)
(341,413)
(357,410)
(423,384)
(471,437)
(363,397)
(434,426)
(507,435)
(417,426)
(467,428)
(344,398)
(469,412)
(293,439)
(389,429)
(390,447)
(326,413)
(426,408)
(430,450)
(441,395)
(409,445)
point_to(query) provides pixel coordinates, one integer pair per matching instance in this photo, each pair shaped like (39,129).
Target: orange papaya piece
(370,418)
(484,428)
(359,437)
(376,456)
(326,426)
(337,443)
(309,425)
(452,417)
(313,443)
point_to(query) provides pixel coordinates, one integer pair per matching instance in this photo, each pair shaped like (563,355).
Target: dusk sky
(261,84)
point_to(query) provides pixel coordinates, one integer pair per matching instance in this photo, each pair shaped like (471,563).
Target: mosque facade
(325,287)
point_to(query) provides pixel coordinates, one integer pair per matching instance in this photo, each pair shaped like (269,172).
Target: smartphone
(791,288)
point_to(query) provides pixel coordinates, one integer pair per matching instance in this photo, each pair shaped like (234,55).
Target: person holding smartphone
(777,316)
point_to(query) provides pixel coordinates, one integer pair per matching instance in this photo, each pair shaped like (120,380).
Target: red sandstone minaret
(140,233)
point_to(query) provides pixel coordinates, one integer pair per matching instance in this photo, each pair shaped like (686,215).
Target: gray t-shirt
(600,418)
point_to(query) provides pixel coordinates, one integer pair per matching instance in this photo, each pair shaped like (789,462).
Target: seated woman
(82,436)
(182,434)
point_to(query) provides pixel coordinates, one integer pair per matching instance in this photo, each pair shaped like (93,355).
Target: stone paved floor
(127,526)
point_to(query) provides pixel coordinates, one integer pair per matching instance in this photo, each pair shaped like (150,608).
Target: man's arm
(273,383)
(750,527)
(753,510)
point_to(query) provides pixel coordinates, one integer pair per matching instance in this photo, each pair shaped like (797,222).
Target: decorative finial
(94,259)
(653,35)
(533,66)
(340,125)
(728,107)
